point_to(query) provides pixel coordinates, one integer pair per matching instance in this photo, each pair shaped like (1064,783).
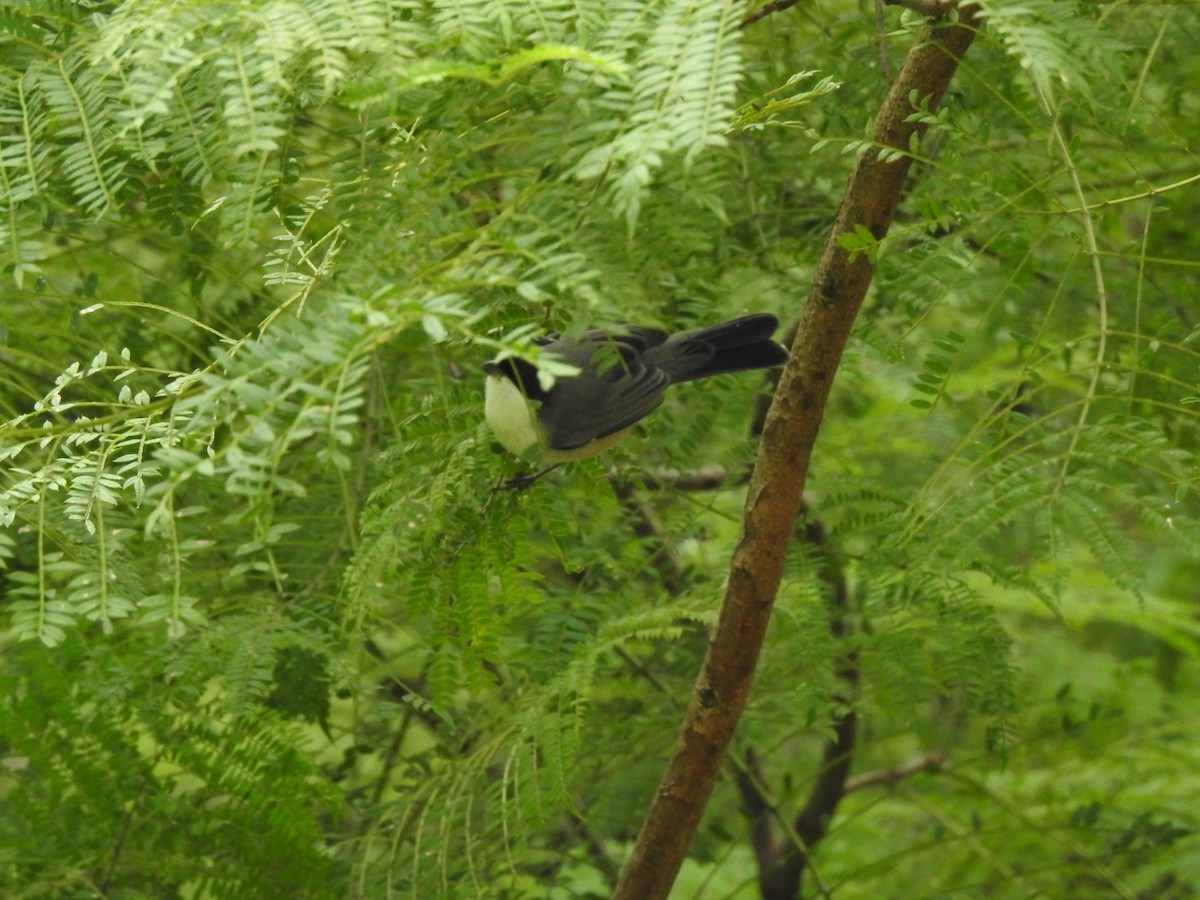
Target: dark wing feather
(602,407)
(622,392)
(627,372)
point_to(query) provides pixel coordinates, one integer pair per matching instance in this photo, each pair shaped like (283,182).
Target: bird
(622,376)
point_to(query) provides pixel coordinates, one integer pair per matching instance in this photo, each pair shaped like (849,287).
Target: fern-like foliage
(165,774)
(677,102)
(1059,49)
(162,454)
(271,630)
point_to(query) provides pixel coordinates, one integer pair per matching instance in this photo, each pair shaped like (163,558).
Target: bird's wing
(622,391)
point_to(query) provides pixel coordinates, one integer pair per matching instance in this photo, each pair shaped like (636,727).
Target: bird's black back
(624,374)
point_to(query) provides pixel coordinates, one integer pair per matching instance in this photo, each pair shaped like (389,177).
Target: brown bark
(773,497)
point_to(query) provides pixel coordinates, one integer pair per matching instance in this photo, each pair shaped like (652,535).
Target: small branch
(784,880)
(932,9)
(926,762)
(885,67)
(762,12)
(705,478)
(764,837)
(642,672)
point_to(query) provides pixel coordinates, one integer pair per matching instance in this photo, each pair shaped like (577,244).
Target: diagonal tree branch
(773,497)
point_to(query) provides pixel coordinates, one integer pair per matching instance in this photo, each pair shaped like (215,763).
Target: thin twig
(933,9)
(885,67)
(705,478)
(762,12)
(926,762)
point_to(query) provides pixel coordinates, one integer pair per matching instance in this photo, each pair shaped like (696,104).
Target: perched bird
(621,379)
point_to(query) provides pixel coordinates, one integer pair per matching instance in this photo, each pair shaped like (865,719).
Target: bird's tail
(734,346)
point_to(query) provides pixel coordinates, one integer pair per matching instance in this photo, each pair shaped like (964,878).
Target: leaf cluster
(270,631)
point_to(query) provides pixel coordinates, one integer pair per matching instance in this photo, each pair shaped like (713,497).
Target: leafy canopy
(270,632)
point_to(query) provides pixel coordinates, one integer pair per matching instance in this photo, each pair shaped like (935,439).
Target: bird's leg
(524,482)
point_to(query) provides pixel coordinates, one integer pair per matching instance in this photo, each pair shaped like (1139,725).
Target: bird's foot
(523,482)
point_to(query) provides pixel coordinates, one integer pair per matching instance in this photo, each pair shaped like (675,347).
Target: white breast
(509,415)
